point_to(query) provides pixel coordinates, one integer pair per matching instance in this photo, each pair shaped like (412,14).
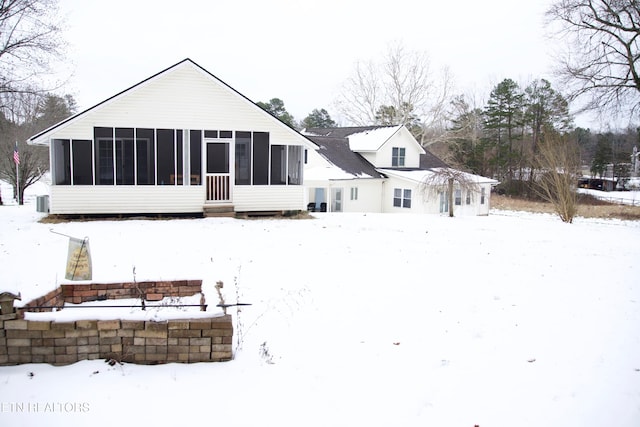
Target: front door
(444,202)
(218,176)
(336,200)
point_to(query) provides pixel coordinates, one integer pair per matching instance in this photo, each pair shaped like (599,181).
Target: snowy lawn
(510,320)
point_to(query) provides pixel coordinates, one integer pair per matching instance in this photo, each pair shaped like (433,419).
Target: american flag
(16,154)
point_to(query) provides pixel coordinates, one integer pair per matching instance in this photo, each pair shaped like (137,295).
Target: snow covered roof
(361,138)
(345,163)
(419,175)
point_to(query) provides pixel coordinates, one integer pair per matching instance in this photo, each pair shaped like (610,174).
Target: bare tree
(600,64)
(402,83)
(558,161)
(447,180)
(29,41)
(28,114)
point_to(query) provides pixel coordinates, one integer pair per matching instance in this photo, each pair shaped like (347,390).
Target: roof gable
(174,77)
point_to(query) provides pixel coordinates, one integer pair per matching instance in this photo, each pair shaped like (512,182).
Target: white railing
(218,187)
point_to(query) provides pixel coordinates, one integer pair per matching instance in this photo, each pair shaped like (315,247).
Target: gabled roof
(184,62)
(361,138)
(336,150)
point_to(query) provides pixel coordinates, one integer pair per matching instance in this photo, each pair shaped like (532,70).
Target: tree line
(500,138)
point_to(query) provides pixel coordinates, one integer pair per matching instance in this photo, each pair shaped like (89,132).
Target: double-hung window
(397,156)
(401,198)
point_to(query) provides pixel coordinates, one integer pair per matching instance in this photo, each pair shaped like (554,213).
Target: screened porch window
(103,146)
(72,162)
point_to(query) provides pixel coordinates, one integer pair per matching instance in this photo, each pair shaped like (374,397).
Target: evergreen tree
(503,122)
(467,146)
(318,119)
(276,108)
(602,156)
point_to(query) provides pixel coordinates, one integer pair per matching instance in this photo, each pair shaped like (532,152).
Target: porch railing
(218,188)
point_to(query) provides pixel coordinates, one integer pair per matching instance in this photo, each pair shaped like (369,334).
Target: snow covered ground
(508,320)
(621,197)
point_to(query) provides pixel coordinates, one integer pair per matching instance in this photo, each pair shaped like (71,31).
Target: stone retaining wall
(136,341)
(207,339)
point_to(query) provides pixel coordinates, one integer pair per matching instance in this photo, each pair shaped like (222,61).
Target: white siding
(252,198)
(183,98)
(108,199)
(402,139)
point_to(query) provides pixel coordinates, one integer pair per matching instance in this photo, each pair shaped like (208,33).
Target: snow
(423,175)
(513,319)
(371,140)
(129,309)
(622,197)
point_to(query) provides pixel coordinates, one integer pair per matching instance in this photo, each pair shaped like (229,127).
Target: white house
(382,169)
(181,141)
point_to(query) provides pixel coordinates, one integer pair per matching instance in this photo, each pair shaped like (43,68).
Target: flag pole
(17,162)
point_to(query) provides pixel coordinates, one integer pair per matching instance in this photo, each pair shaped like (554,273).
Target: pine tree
(503,122)
(318,119)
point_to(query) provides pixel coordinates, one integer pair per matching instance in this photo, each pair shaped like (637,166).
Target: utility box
(42,204)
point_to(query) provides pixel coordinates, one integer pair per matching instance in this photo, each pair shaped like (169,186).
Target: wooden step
(211,211)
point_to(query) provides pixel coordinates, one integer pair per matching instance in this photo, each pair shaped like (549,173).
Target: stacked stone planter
(206,339)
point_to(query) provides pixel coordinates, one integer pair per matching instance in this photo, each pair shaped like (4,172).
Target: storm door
(218,176)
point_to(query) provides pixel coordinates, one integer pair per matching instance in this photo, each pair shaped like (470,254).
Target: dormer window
(397,157)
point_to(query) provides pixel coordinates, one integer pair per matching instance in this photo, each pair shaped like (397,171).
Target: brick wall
(146,342)
(77,294)
(136,341)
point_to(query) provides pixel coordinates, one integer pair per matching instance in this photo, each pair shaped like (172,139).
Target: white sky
(298,51)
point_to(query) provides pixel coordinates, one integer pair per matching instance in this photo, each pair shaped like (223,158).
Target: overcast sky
(298,50)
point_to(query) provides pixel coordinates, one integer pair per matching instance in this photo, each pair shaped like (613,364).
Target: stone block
(146,333)
(199,357)
(72,349)
(227,340)
(139,341)
(157,341)
(63,342)
(18,342)
(63,326)
(221,348)
(178,324)
(155,326)
(54,333)
(20,333)
(116,348)
(108,324)
(82,349)
(42,350)
(125,332)
(154,297)
(108,333)
(20,358)
(4,359)
(200,341)
(185,333)
(19,324)
(38,326)
(221,356)
(59,350)
(132,324)
(200,324)
(110,340)
(86,324)
(66,359)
